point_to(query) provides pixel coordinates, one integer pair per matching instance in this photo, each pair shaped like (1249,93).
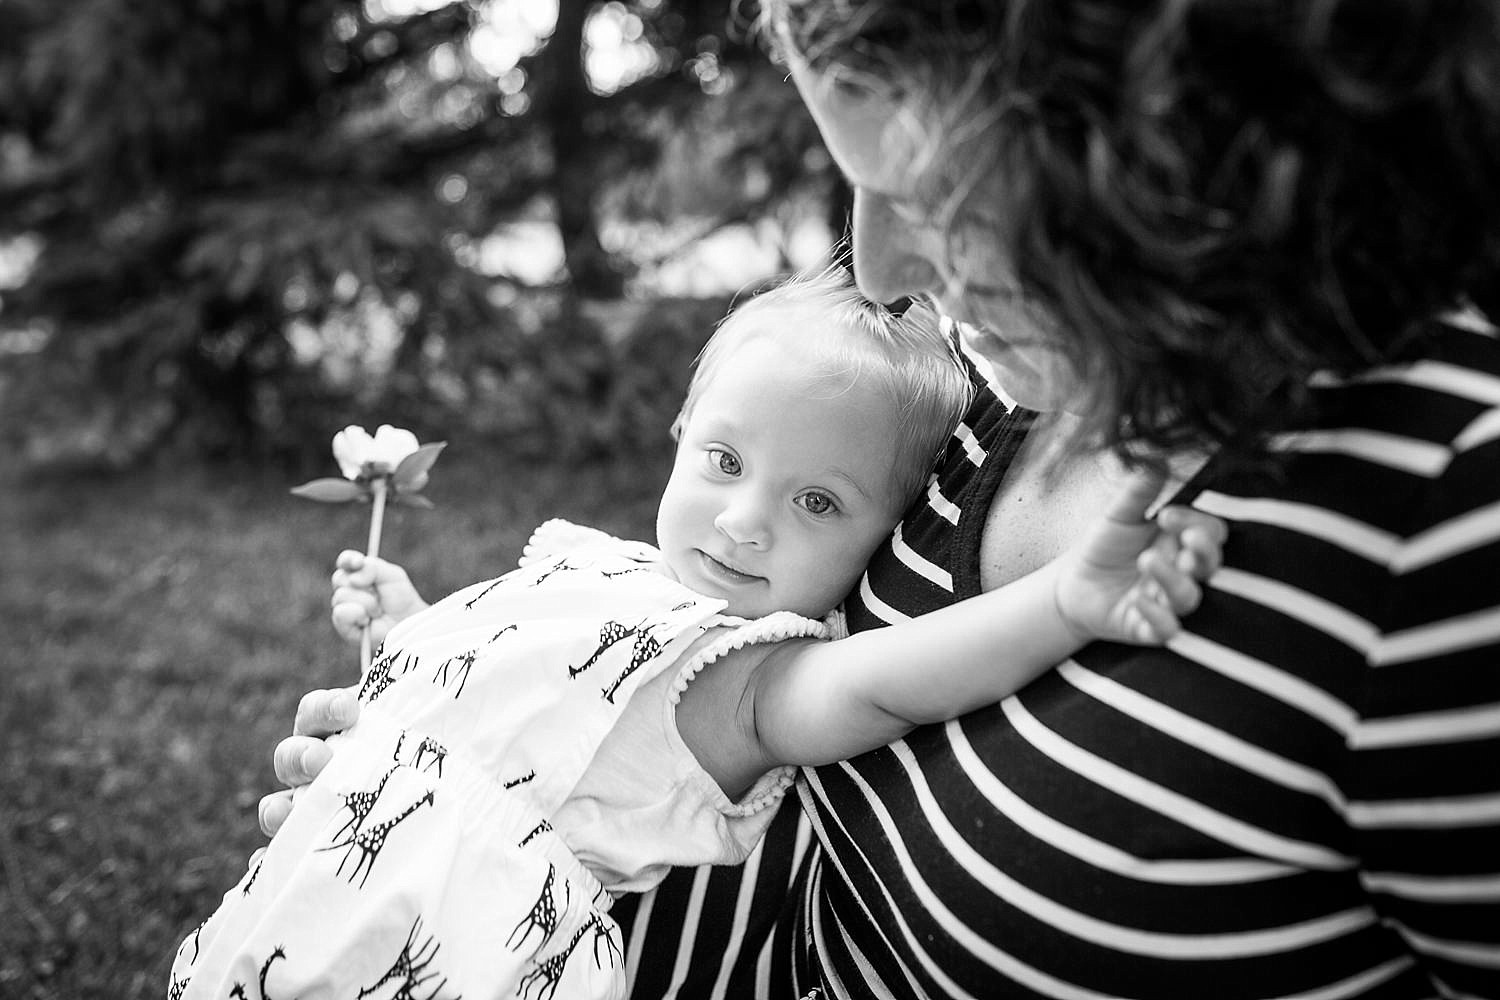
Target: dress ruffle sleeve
(646,805)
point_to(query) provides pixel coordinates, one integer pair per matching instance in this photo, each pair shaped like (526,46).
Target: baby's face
(782,486)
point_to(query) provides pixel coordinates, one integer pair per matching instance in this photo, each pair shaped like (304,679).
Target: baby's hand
(1188,548)
(1132,578)
(371,592)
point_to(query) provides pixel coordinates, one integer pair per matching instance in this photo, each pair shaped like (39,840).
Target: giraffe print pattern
(469,604)
(238,991)
(548,972)
(616,574)
(254,874)
(361,803)
(645,650)
(370,841)
(192,939)
(379,676)
(438,751)
(179,984)
(562,566)
(461,663)
(536,831)
(610,633)
(621,625)
(606,934)
(411,970)
(542,916)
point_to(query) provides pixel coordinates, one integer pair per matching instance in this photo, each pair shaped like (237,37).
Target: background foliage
(244,222)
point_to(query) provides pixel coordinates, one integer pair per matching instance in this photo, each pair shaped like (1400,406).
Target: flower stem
(372,549)
(377,515)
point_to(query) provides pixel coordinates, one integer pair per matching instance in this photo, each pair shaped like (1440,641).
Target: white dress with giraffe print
(516,762)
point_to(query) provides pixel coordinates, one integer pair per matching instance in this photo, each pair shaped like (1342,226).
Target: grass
(159,630)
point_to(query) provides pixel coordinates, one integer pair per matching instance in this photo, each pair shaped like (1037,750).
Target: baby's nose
(744,524)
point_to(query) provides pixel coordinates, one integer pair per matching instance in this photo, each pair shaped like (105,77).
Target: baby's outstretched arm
(1128,579)
(371,592)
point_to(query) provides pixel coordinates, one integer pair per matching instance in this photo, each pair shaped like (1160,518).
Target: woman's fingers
(274,809)
(297,760)
(323,713)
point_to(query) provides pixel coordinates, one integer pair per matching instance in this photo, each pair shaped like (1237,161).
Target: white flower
(359,454)
(350,446)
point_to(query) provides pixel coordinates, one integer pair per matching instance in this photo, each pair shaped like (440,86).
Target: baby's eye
(724,462)
(817,503)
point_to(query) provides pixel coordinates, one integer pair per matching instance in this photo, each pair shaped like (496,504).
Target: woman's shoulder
(1428,415)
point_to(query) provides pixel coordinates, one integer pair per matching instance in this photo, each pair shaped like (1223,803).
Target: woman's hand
(299,758)
(371,592)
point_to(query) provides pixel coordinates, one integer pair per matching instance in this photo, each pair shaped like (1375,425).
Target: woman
(1258,238)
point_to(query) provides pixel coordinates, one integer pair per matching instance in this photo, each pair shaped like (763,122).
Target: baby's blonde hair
(911,356)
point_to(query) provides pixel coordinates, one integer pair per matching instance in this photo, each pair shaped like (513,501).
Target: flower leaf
(330,490)
(413,467)
(412,500)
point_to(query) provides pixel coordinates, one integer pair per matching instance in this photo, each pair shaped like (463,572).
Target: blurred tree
(256,220)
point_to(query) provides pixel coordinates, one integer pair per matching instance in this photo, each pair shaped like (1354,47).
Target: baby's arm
(1127,580)
(371,592)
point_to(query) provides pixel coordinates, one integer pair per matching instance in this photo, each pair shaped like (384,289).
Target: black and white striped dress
(1299,797)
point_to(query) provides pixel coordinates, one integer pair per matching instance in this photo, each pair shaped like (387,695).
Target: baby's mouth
(725,571)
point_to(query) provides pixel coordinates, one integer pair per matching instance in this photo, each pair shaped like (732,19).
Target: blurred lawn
(158,632)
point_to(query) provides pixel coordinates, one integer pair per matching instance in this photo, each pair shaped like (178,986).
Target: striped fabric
(1299,797)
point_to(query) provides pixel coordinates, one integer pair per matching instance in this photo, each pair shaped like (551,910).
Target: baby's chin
(750,610)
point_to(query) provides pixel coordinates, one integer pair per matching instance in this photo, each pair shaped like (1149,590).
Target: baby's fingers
(1148,621)
(1171,586)
(351,614)
(1201,553)
(351,568)
(1130,504)
(350,560)
(1197,538)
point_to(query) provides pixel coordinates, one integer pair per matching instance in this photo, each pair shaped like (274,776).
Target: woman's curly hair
(1213,198)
